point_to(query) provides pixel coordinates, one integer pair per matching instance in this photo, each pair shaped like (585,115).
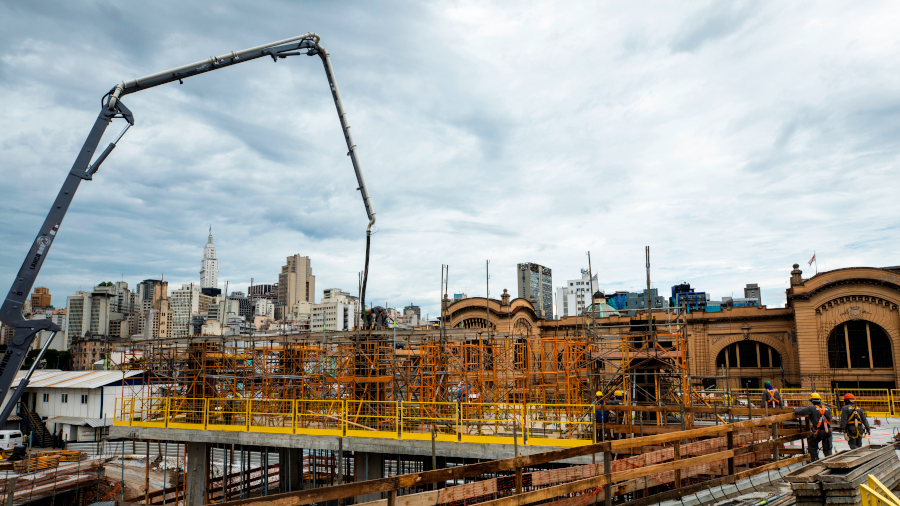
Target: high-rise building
(296,281)
(536,281)
(337,311)
(576,295)
(241,304)
(185,304)
(264,307)
(629,303)
(411,309)
(87,312)
(40,297)
(155,310)
(209,266)
(684,298)
(264,292)
(751,291)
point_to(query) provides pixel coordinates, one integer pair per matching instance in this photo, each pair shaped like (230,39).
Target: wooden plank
(703,410)
(806,486)
(730,436)
(889,470)
(811,471)
(858,457)
(725,480)
(677,449)
(693,433)
(834,475)
(603,480)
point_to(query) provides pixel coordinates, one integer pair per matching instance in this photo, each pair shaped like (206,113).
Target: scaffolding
(491,375)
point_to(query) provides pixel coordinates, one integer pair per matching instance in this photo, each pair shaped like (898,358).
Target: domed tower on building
(209,266)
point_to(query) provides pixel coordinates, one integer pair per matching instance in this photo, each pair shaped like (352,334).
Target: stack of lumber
(65,455)
(836,479)
(36,463)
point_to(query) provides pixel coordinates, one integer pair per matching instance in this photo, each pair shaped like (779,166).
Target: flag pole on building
(813,259)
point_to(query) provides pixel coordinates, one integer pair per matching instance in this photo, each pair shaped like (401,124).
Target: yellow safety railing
(895,402)
(228,414)
(122,414)
(149,411)
(874,493)
(491,423)
(873,401)
(187,413)
(563,424)
(272,415)
(321,418)
(372,419)
(538,424)
(419,419)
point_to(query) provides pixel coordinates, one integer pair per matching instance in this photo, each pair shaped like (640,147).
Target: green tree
(53,359)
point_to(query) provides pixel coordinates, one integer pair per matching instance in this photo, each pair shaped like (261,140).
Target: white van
(10,438)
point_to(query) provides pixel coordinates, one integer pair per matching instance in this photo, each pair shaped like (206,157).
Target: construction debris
(836,479)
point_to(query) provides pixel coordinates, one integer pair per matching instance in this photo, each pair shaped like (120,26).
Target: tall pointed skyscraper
(209,266)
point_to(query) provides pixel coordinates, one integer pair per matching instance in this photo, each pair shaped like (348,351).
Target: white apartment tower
(576,295)
(209,266)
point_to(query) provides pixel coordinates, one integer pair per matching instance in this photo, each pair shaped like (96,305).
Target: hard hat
(599,393)
(815,397)
(849,397)
(619,393)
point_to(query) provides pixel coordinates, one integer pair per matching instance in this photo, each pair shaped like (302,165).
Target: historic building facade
(839,328)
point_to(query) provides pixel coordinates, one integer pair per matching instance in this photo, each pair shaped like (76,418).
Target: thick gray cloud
(734,138)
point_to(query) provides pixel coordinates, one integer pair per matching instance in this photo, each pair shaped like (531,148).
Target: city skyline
(608,286)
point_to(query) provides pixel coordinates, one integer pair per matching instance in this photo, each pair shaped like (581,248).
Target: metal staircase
(42,436)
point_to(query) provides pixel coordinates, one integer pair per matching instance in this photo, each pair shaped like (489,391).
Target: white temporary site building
(80,403)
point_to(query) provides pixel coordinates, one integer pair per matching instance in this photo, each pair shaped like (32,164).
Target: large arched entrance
(751,361)
(859,344)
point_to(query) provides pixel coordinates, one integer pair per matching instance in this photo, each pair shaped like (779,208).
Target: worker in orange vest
(771,396)
(820,419)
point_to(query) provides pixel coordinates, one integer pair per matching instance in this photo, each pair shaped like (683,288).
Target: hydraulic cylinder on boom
(84,170)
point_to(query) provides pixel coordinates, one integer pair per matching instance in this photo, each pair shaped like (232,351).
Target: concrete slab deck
(484,451)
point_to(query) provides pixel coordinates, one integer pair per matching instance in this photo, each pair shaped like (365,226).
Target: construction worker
(852,417)
(600,415)
(771,397)
(820,419)
(377,316)
(617,399)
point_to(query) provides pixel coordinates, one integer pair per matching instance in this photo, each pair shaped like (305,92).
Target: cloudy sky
(733,138)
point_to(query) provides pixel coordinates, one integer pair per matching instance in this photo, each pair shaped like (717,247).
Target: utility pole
(487,298)
(591,282)
(649,307)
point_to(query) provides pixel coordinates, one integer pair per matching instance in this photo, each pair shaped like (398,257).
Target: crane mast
(83,170)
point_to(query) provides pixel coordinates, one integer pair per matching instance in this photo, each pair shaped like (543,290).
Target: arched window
(866,345)
(748,354)
(475,323)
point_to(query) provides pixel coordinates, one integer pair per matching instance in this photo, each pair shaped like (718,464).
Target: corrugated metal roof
(75,420)
(73,379)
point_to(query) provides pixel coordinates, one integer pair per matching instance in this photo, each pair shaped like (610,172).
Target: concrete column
(291,462)
(368,466)
(196,473)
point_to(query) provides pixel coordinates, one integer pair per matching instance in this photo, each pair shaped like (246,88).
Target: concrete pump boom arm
(83,169)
